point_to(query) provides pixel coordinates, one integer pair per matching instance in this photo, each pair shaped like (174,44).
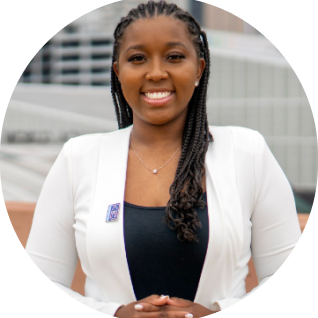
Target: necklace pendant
(155,171)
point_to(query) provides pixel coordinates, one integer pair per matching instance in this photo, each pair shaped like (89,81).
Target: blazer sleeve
(51,243)
(275,226)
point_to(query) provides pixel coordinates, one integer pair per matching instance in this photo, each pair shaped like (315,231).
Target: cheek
(184,85)
(186,77)
(130,85)
(128,75)
(129,79)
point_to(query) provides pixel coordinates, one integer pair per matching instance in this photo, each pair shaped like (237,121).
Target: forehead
(156,30)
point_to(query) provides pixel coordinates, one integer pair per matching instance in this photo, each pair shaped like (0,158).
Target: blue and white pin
(112,212)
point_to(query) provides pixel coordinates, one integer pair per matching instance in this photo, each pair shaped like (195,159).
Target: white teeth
(159,95)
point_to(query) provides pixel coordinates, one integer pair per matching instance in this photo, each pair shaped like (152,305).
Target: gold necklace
(155,171)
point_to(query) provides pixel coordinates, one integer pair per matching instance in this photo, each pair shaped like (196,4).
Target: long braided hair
(186,189)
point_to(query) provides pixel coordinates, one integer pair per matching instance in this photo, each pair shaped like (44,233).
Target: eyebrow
(141,46)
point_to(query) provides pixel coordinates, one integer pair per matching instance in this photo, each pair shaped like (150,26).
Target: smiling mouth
(157,95)
(158,99)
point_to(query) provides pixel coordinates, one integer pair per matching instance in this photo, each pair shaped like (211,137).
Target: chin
(163,117)
(158,122)
(165,120)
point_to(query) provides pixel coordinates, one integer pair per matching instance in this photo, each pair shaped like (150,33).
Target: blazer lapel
(111,270)
(225,220)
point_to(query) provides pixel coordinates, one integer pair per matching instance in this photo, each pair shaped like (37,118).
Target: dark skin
(163,60)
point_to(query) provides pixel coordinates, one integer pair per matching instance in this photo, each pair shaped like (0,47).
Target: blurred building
(80,54)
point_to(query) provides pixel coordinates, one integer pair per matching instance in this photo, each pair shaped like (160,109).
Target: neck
(168,136)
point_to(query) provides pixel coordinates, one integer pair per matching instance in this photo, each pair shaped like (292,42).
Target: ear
(201,67)
(116,70)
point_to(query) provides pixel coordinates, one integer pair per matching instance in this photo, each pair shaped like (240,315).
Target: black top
(158,262)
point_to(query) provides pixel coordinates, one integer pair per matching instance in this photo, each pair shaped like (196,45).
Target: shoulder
(91,143)
(234,131)
(244,139)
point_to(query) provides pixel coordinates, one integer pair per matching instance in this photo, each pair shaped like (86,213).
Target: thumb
(162,300)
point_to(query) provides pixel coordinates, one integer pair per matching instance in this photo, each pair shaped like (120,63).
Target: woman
(222,198)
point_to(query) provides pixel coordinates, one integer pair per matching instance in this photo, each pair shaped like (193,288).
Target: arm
(51,243)
(275,226)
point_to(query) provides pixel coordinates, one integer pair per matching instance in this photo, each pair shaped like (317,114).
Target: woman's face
(157,68)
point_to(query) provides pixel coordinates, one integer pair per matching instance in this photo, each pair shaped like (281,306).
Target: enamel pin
(112,212)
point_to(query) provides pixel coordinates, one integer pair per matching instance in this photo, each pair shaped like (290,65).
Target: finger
(160,301)
(152,298)
(165,314)
(177,308)
(179,314)
(179,302)
(147,307)
(151,303)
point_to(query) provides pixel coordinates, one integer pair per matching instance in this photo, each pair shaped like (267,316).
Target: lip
(158,102)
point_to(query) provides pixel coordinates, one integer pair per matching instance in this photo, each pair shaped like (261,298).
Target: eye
(136,58)
(175,57)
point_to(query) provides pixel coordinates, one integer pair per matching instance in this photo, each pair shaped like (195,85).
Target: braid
(151,8)
(186,189)
(142,11)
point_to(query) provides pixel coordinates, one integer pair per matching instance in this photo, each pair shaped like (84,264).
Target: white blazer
(250,207)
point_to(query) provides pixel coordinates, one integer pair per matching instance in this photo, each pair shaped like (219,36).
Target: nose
(156,71)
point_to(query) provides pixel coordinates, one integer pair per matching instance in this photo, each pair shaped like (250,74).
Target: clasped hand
(156,306)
